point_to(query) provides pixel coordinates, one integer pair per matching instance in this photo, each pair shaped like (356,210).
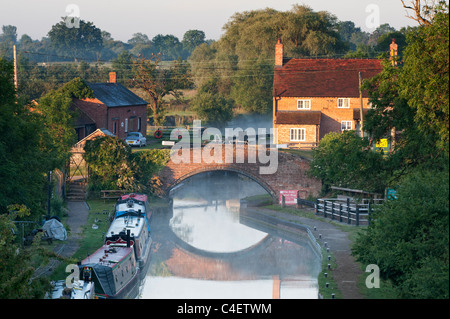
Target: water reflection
(207,248)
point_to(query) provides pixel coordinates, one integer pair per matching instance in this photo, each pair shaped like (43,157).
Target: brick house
(312,97)
(114,108)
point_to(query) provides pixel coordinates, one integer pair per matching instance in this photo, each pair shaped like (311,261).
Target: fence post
(332,210)
(340,212)
(348,211)
(357,215)
(325,208)
(368,213)
(317,206)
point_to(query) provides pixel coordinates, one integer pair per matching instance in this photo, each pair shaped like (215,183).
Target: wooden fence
(345,211)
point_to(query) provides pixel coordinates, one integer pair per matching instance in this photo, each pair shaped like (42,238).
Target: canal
(209,247)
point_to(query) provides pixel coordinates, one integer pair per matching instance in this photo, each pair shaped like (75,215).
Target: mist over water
(207,247)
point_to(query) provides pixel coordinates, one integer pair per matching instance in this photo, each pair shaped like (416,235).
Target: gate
(77,169)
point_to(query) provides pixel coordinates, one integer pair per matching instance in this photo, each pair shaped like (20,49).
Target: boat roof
(140,197)
(108,255)
(127,222)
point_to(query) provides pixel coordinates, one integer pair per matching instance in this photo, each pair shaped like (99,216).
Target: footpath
(77,217)
(347,271)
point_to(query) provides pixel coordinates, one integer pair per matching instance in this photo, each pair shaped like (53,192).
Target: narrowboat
(113,270)
(137,225)
(134,202)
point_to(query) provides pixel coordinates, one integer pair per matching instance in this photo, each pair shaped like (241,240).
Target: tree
(211,106)
(243,57)
(408,237)
(108,160)
(58,119)
(123,65)
(16,271)
(346,160)
(83,42)
(424,78)
(192,39)
(114,166)
(23,163)
(157,82)
(253,74)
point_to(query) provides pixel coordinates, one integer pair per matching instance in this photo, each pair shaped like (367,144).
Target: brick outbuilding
(114,108)
(312,97)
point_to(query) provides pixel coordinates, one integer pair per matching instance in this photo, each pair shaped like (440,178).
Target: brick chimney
(393,48)
(279,53)
(112,77)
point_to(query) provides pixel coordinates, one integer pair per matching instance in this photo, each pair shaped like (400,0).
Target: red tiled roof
(298,117)
(323,77)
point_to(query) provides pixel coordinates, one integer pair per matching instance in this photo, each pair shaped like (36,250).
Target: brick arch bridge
(291,173)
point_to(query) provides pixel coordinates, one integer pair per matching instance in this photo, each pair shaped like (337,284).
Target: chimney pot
(279,53)
(112,77)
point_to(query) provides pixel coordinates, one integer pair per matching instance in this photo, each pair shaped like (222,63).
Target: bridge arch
(207,169)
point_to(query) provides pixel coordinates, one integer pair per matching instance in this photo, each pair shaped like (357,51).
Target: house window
(343,103)
(303,104)
(139,124)
(346,125)
(298,134)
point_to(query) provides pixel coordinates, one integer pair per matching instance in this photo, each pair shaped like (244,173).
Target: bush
(408,237)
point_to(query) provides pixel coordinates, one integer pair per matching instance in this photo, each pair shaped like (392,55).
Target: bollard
(326,244)
(329,266)
(326,285)
(315,228)
(325,274)
(329,257)
(332,296)
(328,250)
(320,235)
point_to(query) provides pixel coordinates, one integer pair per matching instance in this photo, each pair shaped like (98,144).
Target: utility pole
(15,67)
(361,100)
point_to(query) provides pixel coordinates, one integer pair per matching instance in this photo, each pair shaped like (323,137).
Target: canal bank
(346,271)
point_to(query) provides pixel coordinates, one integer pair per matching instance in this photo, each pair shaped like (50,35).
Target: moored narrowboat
(138,227)
(134,202)
(113,270)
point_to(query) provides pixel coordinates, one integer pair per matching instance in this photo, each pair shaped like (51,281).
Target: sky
(123,18)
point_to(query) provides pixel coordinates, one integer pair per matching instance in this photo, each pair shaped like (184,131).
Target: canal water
(209,247)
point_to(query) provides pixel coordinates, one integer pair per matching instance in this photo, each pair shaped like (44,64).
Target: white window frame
(298,136)
(303,102)
(343,101)
(345,125)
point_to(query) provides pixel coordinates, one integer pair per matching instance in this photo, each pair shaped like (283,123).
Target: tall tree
(82,42)
(192,39)
(157,82)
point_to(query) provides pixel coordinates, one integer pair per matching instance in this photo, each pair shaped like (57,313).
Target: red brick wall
(130,114)
(105,117)
(291,173)
(331,114)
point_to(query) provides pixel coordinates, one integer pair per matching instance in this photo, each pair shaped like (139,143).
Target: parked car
(136,139)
